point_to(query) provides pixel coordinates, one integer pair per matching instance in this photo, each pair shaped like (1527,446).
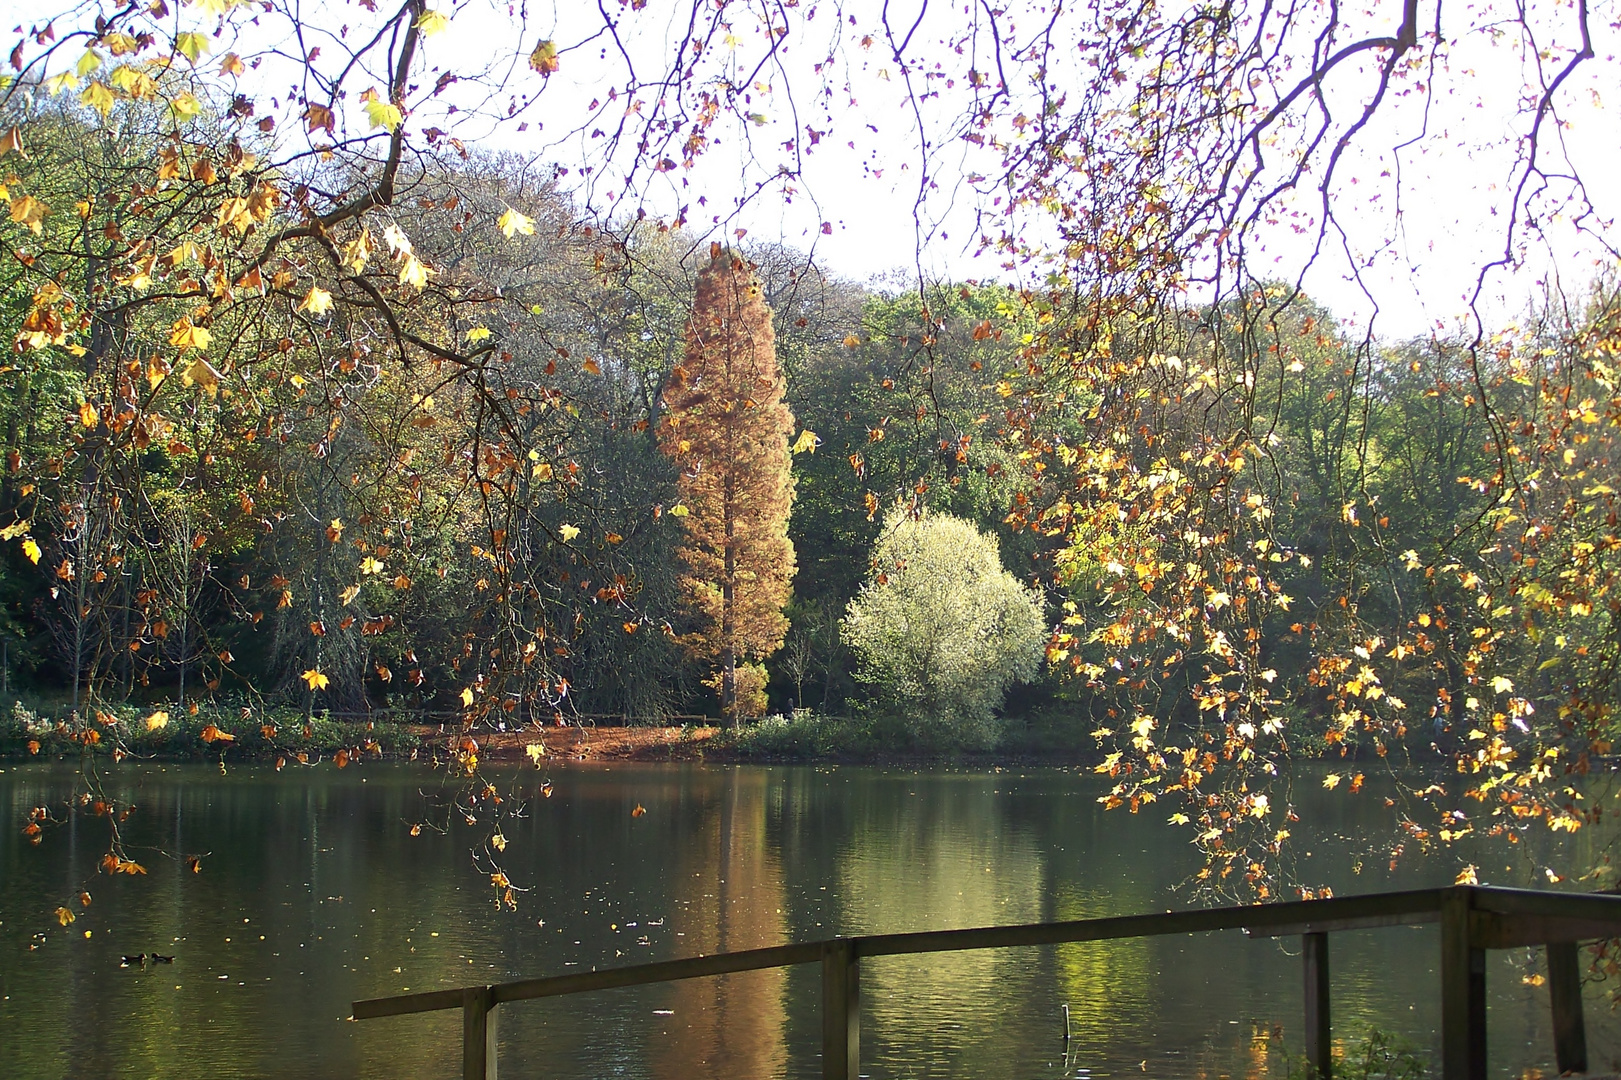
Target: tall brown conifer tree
(726,425)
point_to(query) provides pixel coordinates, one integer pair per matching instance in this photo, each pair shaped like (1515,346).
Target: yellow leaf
(184,107)
(88,415)
(98,96)
(1331,781)
(348,594)
(315,680)
(807,441)
(64,916)
(414,273)
(317,301)
(31,550)
(1467,876)
(90,61)
(211,733)
(185,335)
(467,696)
(29,212)
(231,64)
(478,333)
(432,22)
(201,373)
(383,114)
(370,565)
(678,510)
(851,341)
(543,471)
(512,223)
(64,80)
(356,252)
(191,46)
(234,213)
(544,58)
(157,720)
(568,533)
(535,751)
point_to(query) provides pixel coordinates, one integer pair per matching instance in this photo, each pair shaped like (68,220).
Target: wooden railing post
(1319,1044)
(1463,992)
(478,1033)
(841,1011)
(1565,988)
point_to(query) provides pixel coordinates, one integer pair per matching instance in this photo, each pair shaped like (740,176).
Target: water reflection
(313,892)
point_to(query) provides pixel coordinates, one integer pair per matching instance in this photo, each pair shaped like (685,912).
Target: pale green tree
(940,628)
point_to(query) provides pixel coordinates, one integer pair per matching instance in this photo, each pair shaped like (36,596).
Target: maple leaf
(808,441)
(414,273)
(191,46)
(211,734)
(87,415)
(315,680)
(544,58)
(157,720)
(317,301)
(99,97)
(29,212)
(184,335)
(384,114)
(432,22)
(201,373)
(348,594)
(511,223)
(568,533)
(31,550)
(370,565)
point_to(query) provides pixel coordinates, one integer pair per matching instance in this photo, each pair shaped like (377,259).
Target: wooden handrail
(1473,918)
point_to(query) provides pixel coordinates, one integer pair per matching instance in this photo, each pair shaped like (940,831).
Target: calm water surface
(313,893)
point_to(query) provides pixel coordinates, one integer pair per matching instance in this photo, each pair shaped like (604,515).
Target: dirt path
(587,743)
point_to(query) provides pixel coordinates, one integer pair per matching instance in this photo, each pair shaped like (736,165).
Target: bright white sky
(862,179)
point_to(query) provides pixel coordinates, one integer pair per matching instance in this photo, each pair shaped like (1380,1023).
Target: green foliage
(1373,1055)
(940,628)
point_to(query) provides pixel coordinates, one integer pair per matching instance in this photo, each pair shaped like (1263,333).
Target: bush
(941,629)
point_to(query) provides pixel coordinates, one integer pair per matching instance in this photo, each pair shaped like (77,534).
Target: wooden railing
(1473,919)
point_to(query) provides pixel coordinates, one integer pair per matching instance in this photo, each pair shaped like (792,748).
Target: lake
(312,892)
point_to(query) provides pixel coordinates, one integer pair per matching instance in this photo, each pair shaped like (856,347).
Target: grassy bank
(208,732)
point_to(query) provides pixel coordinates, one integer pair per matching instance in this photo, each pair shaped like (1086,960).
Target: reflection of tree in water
(920,865)
(732,1025)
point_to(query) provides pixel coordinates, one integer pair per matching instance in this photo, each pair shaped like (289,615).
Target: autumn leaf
(679,510)
(1467,876)
(639,811)
(194,863)
(31,550)
(478,333)
(185,335)
(348,594)
(808,441)
(64,916)
(432,22)
(317,301)
(318,117)
(467,696)
(1331,781)
(191,45)
(384,114)
(29,212)
(568,533)
(334,533)
(544,58)
(157,720)
(341,759)
(211,733)
(87,415)
(99,96)
(512,223)
(200,373)
(590,366)
(414,272)
(12,140)
(315,680)
(371,565)
(535,751)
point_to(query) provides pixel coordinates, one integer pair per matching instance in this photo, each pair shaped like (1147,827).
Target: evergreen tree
(726,426)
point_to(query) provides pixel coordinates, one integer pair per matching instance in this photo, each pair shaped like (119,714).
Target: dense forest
(360,419)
